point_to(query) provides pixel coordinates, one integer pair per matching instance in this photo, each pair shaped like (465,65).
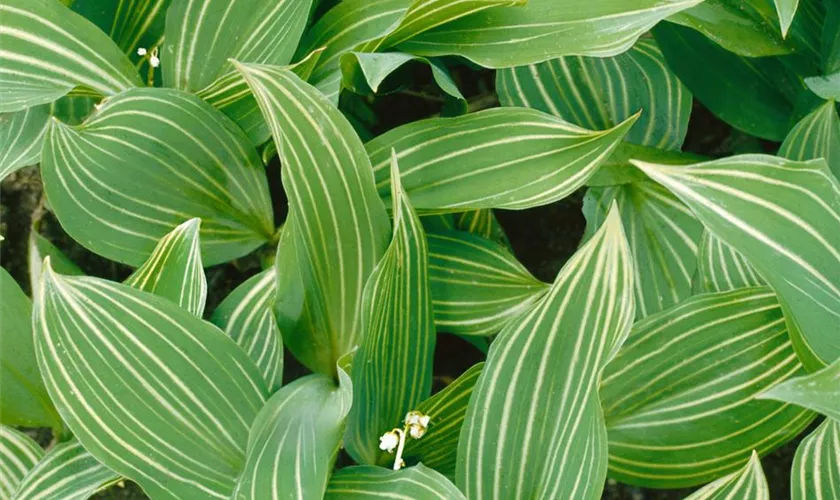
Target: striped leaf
(819,391)
(618,169)
(663,236)
(512,158)
(679,398)
(342,224)
(21,136)
(478,286)
(598,93)
(202,35)
(23,400)
(815,474)
(366,482)
(246,315)
(132,24)
(481,222)
(152,392)
(149,160)
(66,472)
(174,271)
(39,249)
(816,136)
(748,483)
(438,448)
(49,50)
(721,268)
(544,29)
(392,370)
(534,426)
(784,217)
(18,454)
(295,439)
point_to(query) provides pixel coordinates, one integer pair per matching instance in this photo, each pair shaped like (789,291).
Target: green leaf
(721,268)
(18,454)
(152,392)
(831,38)
(815,474)
(618,169)
(481,222)
(827,87)
(129,23)
(599,93)
(784,217)
(295,439)
(342,224)
(247,316)
(786,10)
(544,29)
(749,484)
(478,286)
(23,400)
(201,36)
(49,50)
(816,136)
(39,249)
(174,271)
(534,426)
(66,472)
(679,397)
(149,160)
(438,448)
(21,136)
(513,158)
(366,482)
(819,391)
(663,236)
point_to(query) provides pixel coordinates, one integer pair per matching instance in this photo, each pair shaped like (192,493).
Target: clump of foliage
(696,329)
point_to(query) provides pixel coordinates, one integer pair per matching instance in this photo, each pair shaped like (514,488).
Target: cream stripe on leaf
(816,136)
(599,93)
(534,426)
(152,392)
(39,248)
(46,51)
(295,439)
(149,160)
(511,158)
(663,236)
(721,268)
(132,24)
(366,482)
(66,472)
(477,285)
(341,223)
(748,483)
(815,474)
(481,222)
(679,398)
(819,391)
(174,269)
(544,29)
(392,369)
(247,316)
(18,455)
(21,136)
(784,217)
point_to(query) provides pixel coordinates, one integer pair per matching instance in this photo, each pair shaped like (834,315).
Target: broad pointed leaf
(815,474)
(816,136)
(21,136)
(827,87)
(39,249)
(618,169)
(18,454)
(749,484)
(149,160)
(721,268)
(366,482)
(786,10)
(129,23)
(819,391)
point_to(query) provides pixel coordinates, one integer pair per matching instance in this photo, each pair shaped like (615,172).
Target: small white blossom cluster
(154,60)
(416,425)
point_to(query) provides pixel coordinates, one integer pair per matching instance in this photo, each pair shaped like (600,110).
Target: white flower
(141,51)
(389,441)
(416,431)
(154,61)
(417,424)
(424,421)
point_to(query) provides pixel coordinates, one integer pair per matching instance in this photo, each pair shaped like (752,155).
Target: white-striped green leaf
(511,158)
(663,236)
(534,427)
(342,224)
(819,391)
(152,392)
(748,483)
(246,315)
(47,51)
(366,482)
(815,474)
(618,169)
(132,24)
(392,370)
(202,35)
(174,271)
(39,249)
(784,217)
(66,472)
(598,93)
(721,268)
(481,222)
(545,29)
(23,400)
(438,448)
(18,454)
(827,87)
(477,285)
(21,136)
(295,439)
(679,398)
(816,136)
(149,160)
